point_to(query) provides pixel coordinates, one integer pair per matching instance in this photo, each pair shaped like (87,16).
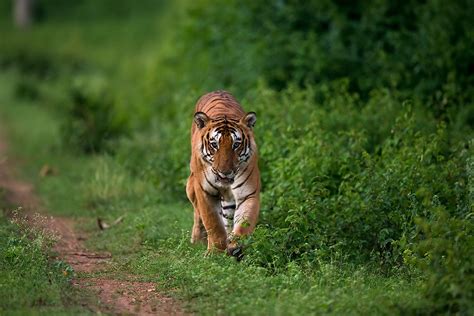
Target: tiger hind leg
(198,234)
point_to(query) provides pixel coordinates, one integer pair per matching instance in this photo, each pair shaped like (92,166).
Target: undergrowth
(29,278)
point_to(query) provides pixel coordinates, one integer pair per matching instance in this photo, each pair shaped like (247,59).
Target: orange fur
(224,171)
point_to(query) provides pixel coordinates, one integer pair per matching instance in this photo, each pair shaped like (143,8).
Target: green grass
(153,240)
(30,281)
(219,285)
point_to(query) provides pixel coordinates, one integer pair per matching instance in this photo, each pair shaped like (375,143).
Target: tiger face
(226,144)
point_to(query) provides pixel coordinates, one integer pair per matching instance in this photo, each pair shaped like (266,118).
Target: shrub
(92,119)
(444,248)
(445,254)
(410,47)
(328,194)
(27,88)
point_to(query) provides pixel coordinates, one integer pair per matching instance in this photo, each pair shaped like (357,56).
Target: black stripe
(227,216)
(247,157)
(211,194)
(213,106)
(246,198)
(227,207)
(220,119)
(231,216)
(245,169)
(209,182)
(242,183)
(245,142)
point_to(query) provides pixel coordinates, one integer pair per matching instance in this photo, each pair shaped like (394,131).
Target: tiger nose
(226,174)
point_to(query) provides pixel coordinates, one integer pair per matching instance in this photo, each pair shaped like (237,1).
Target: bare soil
(125,296)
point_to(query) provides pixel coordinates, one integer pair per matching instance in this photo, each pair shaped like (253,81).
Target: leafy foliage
(92,119)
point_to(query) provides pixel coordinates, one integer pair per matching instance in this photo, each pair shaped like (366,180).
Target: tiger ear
(249,119)
(200,119)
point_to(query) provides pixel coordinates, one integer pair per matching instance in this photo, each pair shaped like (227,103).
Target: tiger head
(226,144)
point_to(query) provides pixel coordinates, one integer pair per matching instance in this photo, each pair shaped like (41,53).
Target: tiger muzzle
(224,177)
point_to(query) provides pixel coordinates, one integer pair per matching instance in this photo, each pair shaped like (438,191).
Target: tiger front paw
(236,251)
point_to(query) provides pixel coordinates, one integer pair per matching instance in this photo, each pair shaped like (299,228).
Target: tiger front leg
(245,220)
(209,206)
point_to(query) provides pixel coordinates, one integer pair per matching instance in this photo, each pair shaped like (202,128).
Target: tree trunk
(23,13)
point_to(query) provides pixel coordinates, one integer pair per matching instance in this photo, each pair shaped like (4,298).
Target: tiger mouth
(223,179)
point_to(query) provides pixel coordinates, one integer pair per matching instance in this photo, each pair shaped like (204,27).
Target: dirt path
(116,296)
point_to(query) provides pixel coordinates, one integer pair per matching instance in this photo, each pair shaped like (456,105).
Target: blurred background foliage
(365,116)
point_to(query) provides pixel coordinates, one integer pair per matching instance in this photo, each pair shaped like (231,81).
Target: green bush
(445,254)
(93,118)
(415,46)
(27,88)
(327,195)
(444,250)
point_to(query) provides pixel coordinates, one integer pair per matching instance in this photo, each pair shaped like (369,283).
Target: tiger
(224,181)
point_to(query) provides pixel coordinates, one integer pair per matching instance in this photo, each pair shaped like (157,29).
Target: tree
(23,13)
